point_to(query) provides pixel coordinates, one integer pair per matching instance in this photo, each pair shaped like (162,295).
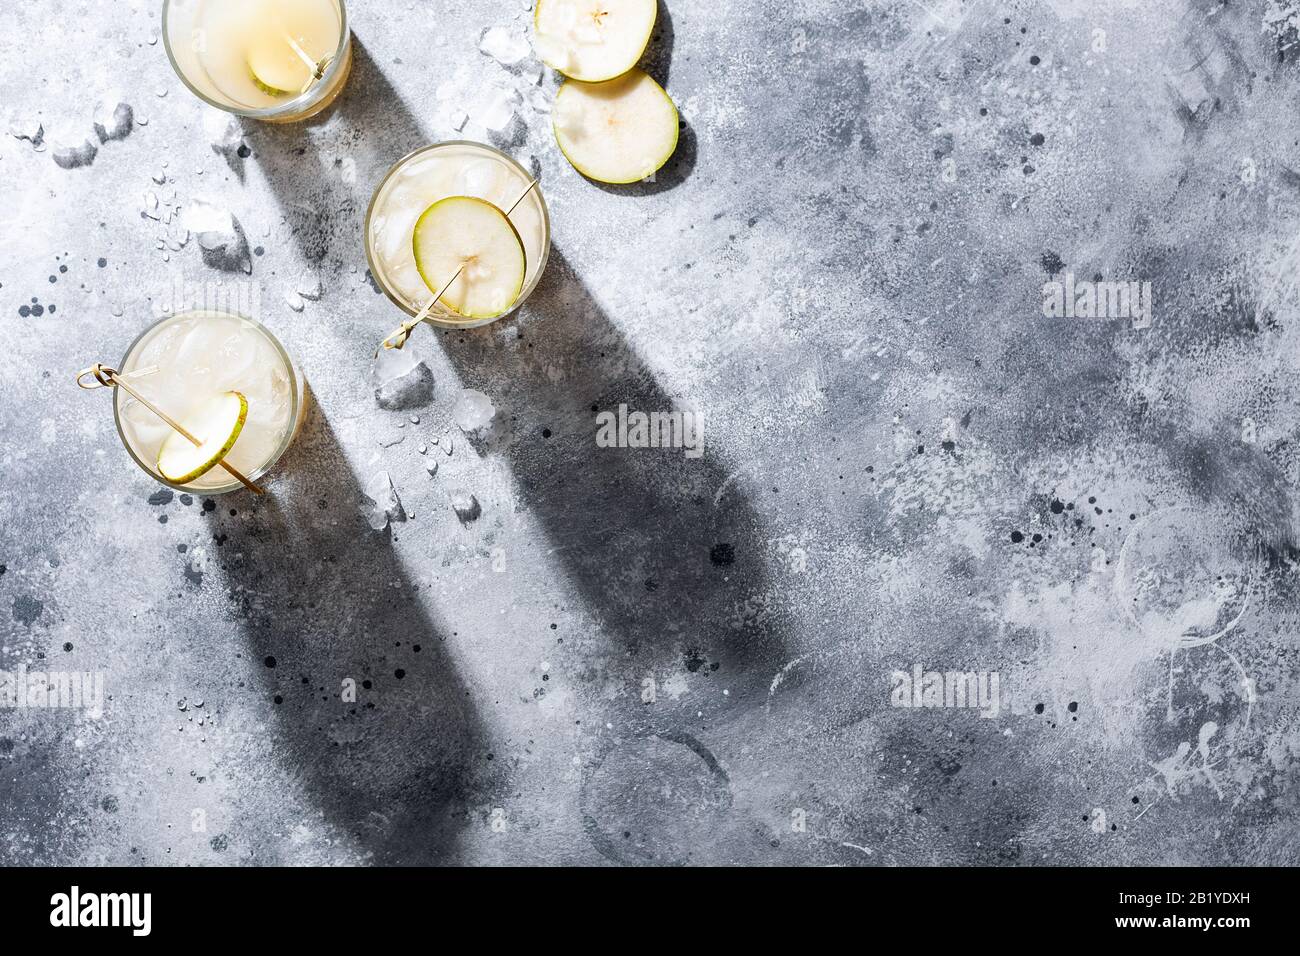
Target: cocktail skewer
(108,377)
(316,68)
(397,338)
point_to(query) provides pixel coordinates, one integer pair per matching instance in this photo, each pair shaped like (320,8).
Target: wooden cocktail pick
(316,68)
(102,376)
(397,338)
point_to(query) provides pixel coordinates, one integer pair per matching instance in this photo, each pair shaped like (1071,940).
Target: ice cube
(379,503)
(395,236)
(28,128)
(71,148)
(473,410)
(400,378)
(148,428)
(458,119)
(503,45)
(214,226)
(431,466)
(223,132)
(268,404)
(497,109)
(113,118)
(219,235)
(234,358)
(309,286)
(293,300)
(465,505)
(177,236)
(479,178)
(539,100)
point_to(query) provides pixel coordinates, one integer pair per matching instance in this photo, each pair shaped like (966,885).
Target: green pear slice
(619,131)
(593,40)
(216,423)
(276,68)
(268,90)
(470,234)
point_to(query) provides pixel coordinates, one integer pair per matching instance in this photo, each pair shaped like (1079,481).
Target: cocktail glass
(183,360)
(273,60)
(454,168)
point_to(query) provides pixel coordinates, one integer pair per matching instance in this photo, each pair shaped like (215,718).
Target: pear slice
(619,131)
(593,40)
(468,232)
(268,90)
(216,423)
(277,70)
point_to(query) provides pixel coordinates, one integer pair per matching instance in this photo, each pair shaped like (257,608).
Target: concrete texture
(632,655)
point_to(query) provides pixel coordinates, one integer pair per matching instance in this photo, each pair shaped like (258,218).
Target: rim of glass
(299,103)
(434,317)
(295,393)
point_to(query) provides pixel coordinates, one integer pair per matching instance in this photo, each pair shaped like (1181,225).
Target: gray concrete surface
(640,657)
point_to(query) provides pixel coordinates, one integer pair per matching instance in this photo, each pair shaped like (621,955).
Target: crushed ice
(309,286)
(223,132)
(401,379)
(496,109)
(70,147)
(379,503)
(28,128)
(219,235)
(503,45)
(465,505)
(113,118)
(473,410)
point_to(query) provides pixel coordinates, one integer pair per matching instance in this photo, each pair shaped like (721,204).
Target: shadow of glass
(326,600)
(666,549)
(658,58)
(323,171)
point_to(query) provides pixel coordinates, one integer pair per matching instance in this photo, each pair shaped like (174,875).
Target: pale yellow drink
(260,58)
(181,362)
(459,168)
